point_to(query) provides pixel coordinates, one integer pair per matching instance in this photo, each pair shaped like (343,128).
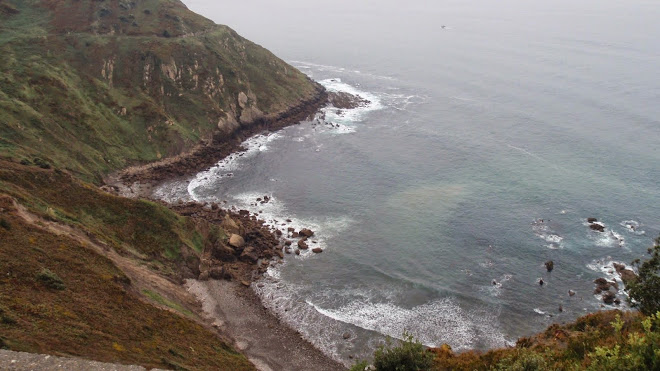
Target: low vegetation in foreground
(607,340)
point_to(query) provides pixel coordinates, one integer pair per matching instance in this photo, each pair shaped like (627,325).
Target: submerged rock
(549,265)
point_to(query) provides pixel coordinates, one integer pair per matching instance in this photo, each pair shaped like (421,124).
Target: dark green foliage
(644,292)
(637,351)
(41,163)
(359,366)
(523,360)
(409,355)
(50,279)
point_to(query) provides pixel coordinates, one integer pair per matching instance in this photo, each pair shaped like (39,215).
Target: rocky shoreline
(236,260)
(137,181)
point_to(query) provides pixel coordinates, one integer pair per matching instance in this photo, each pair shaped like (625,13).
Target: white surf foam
(544,232)
(607,238)
(275,215)
(348,116)
(605,266)
(439,322)
(632,226)
(225,167)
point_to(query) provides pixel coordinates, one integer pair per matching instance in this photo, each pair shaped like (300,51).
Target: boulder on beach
(306,232)
(230,225)
(204,276)
(236,241)
(219,273)
(250,254)
(223,252)
(302,245)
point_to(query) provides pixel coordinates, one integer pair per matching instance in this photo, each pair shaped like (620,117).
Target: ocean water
(486,145)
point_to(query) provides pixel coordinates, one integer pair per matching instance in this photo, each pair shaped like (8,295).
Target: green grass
(168,303)
(56,104)
(144,229)
(98,315)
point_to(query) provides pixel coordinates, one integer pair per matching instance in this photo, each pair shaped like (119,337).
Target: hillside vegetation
(93,86)
(89,87)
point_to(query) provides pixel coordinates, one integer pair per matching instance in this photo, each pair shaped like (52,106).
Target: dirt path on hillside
(227,308)
(142,278)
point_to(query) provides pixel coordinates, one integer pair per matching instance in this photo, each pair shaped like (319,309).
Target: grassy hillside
(88,87)
(93,86)
(90,274)
(59,297)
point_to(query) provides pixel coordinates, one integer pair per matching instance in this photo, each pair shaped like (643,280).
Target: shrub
(523,360)
(644,292)
(637,352)
(50,279)
(41,163)
(359,366)
(409,355)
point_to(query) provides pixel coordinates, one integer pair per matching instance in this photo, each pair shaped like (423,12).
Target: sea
(494,129)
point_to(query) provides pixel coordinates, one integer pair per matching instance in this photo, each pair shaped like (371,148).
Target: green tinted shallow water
(515,112)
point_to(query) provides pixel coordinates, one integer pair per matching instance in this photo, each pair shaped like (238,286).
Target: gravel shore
(257,333)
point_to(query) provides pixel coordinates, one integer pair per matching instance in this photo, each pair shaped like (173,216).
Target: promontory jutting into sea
(487,134)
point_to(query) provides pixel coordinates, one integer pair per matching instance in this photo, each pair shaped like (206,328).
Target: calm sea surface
(486,145)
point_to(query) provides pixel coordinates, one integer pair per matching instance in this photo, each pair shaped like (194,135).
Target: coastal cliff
(93,87)
(88,88)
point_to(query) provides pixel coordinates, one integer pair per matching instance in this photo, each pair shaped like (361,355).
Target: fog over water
(487,144)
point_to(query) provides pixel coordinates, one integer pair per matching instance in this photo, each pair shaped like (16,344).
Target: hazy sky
(351,27)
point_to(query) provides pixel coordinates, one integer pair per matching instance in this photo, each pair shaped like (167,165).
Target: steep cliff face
(93,86)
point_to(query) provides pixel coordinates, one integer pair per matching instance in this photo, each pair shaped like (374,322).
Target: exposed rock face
(230,225)
(597,227)
(209,89)
(236,241)
(223,252)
